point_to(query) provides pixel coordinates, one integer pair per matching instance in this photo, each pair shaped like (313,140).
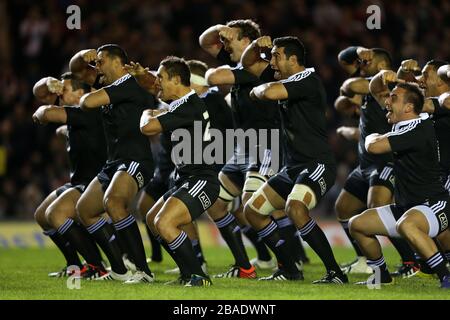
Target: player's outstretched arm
(379,85)
(251,59)
(269,91)
(444,100)
(349,133)
(80,66)
(377,143)
(50,113)
(407,69)
(47,89)
(209,40)
(94,99)
(144,77)
(62,131)
(149,123)
(348,106)
(220,76)
(350,58)
(444,72)
(353,86)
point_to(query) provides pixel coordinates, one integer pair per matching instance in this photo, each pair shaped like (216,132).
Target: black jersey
(416,162)
(372,120)
(219,113)
(163,162)
(441,118)
(303,121)
(121,120)
(248,113)
(189,113)
(86,144)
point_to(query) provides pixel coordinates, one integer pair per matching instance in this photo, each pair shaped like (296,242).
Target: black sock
(182,247)
(447,255)
(317,240)
(66,248)
(438,264)
(404,249)
(344,224)
(81,240)
(156,246)
(231,233)
(289,232)
(128,230)
(198,250)
(271,236)
(120,241)
(185,272)
(380,264)
(105,236)
(261,249)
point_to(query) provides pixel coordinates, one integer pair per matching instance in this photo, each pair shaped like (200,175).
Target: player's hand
(55,86)
(264,42)
(227,33)
(38,116)
(89,55)
(135,69)
(389,76)
(365,55)
(410,65)
(357,99)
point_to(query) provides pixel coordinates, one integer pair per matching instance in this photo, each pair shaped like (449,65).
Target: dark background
(35,42)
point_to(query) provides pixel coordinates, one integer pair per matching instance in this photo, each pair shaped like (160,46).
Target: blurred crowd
(35,42)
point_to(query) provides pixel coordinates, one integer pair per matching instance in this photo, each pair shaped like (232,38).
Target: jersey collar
(422,116)
(301,72)
(181,100)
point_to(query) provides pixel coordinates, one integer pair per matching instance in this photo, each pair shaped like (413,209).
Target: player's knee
(39,216)
(162,225)
(114,205)
(340,209)
(404,226)
(356,225)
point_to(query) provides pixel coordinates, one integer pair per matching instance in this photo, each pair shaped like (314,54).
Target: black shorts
(447,181)
(67,186)
(318,176)
(360,180)
(140,171)
(237,167)
(197,193)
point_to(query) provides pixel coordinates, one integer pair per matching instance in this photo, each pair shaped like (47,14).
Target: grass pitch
(23,275)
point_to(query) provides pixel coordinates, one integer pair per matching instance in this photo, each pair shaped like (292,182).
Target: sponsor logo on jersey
(444,221)
(140,179)
(204,199)
(323,186)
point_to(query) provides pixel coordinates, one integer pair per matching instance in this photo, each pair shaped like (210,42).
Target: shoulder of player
(308,75)
(415,125)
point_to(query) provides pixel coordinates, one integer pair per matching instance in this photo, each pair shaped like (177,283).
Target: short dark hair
(176,66)
(76,83)
(249,28)
(383,54)
(114,50)
(292,47)
(197,67)
(413,95)
(436,63)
